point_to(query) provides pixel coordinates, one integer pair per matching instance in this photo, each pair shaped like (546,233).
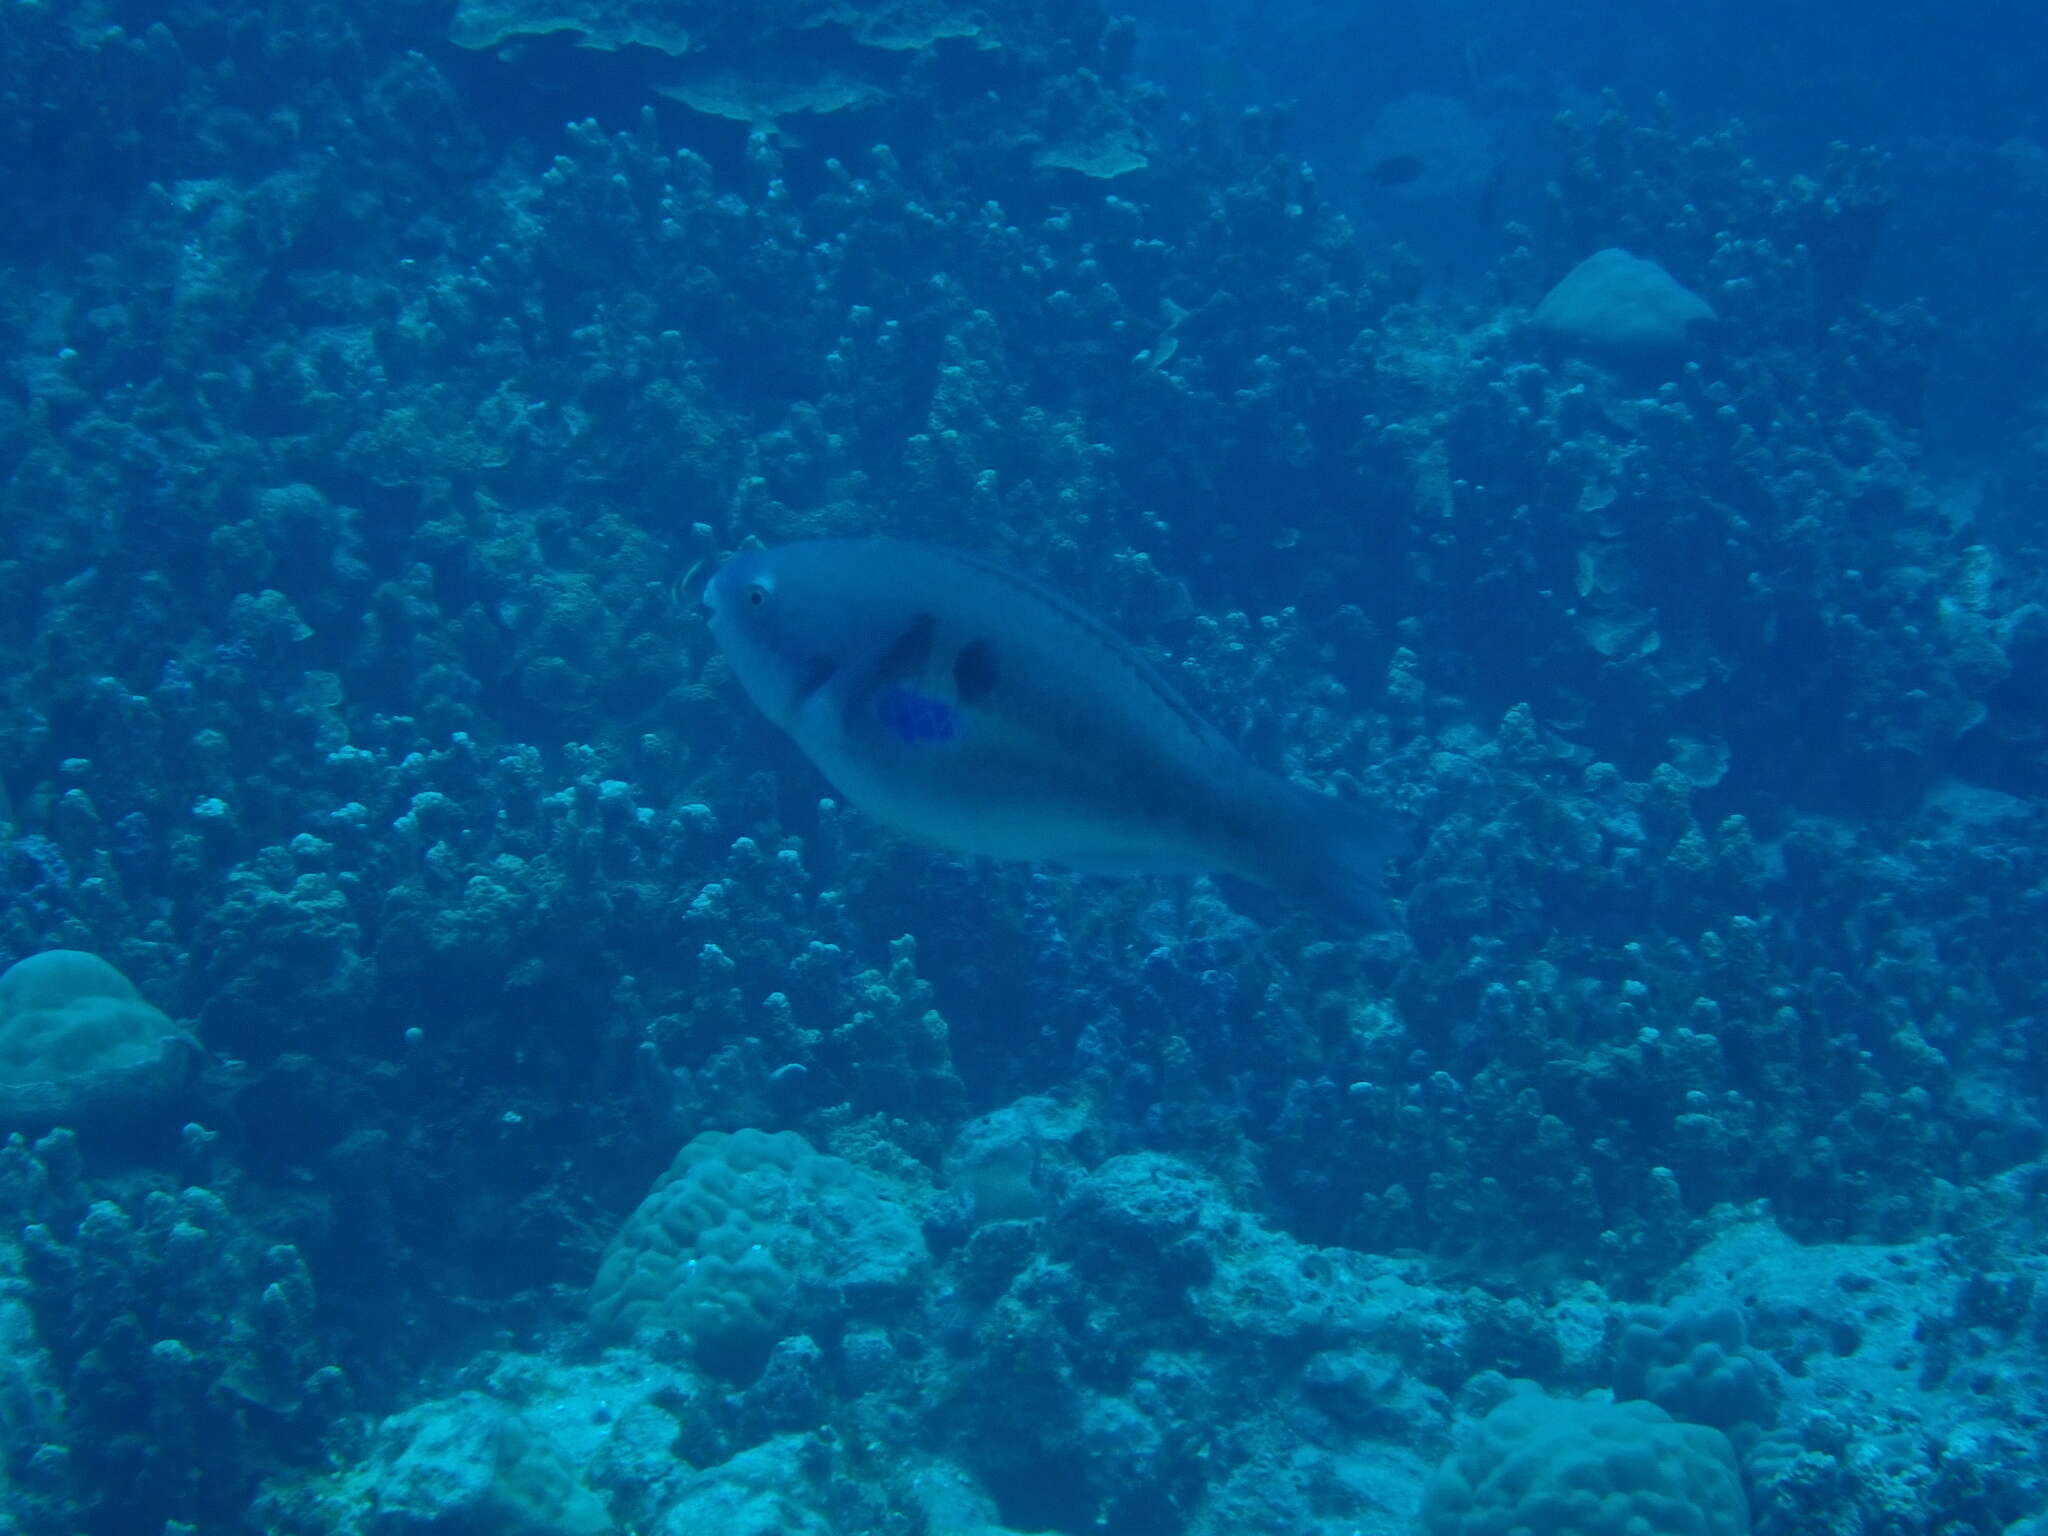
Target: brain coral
(1543,1466)
(753,1237)
(78,1043)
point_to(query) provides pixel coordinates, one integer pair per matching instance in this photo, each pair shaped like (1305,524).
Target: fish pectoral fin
(909,654)
(916,719)
(815,678)
(901,664)
(974,673)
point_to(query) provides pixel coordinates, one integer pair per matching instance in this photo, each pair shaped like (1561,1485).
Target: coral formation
(1618,303)
(473,1463)
(78,1045)
(751,1238)
(370,401)
(1586,1468)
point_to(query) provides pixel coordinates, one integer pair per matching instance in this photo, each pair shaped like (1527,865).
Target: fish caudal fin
(1339,853)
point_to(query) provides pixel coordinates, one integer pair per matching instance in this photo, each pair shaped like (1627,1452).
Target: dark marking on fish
(909,653)
(974,672)
(903,660)
(1108,644)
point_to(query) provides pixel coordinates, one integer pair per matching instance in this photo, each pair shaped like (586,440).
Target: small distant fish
(1397,170)
(967,705)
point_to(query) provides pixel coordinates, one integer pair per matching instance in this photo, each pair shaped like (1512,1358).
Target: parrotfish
(963,703)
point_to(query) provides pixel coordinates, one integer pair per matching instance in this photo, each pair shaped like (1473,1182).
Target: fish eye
(756,594)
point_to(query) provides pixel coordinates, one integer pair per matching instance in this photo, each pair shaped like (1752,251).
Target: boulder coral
(753,1237)
(78,1044)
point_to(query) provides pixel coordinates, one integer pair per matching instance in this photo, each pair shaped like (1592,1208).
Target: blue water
(518,1092)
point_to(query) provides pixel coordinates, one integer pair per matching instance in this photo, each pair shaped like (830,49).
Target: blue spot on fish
(917,719)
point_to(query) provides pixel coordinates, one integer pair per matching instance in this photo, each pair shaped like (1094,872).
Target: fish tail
(1341,851)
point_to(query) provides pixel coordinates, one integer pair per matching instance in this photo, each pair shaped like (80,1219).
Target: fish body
(1397,170)
(965,704)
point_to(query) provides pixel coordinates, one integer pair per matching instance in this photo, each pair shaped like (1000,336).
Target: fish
(963,703)
(1396,170)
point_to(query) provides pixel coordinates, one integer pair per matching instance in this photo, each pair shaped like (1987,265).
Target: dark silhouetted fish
(961,702)
(1397,170)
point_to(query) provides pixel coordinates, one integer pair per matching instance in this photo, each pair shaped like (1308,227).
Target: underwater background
(463,1070)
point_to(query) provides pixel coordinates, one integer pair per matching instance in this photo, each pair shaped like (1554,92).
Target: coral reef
(184,1354)
(370,401)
